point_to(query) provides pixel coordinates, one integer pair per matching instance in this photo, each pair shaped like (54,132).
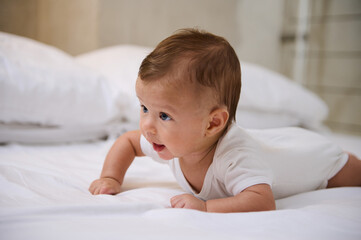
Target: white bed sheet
(44,195)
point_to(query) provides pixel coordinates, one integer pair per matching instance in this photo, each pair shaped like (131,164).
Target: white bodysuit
(290,160)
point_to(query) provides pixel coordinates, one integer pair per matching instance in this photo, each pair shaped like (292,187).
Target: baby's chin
(165,155)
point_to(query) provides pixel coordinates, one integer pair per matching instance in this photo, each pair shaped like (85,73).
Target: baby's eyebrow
(167,108)
(163,108)
(139,99)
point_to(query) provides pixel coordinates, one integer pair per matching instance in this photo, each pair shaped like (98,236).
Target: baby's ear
(217,121)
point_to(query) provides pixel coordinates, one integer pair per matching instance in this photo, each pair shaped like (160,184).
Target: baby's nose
(150,132)
(148,127)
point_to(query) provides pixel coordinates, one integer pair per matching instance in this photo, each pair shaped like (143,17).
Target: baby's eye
(164,116)
(145,109)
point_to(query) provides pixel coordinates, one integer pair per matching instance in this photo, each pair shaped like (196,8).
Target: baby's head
(188,88)
(205,60)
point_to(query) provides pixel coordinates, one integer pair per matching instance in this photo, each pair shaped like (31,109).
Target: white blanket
(44,195)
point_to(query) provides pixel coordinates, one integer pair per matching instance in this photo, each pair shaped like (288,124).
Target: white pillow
(269,92)
(267,100)
(120,64)
(261,119)
(40,84)
(33,134)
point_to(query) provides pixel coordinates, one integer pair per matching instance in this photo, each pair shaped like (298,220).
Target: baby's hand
(105,186)
(188,201)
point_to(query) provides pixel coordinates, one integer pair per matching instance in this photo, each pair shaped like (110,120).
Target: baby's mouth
(158,147)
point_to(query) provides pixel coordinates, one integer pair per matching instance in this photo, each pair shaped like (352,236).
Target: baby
(188,89)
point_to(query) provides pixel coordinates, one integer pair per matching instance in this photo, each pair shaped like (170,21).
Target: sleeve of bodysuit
(239,173)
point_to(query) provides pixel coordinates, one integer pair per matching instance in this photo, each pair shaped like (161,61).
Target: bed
(60,114)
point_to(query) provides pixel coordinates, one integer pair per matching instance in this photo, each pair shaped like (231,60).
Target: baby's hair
(200,57)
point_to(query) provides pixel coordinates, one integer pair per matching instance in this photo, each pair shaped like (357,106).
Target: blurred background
(316,43)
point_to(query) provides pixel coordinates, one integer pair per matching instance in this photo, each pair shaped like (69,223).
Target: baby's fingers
(177,201)
(105,186)
(94,188)
(108,190)
(96,191)
(103,190)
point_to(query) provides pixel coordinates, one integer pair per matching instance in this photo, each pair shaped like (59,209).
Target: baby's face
(173,119)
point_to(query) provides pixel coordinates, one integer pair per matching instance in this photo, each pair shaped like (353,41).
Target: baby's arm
(118,160)
(255,198)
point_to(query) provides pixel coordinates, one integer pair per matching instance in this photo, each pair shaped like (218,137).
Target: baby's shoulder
(234,141)
(234,148)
